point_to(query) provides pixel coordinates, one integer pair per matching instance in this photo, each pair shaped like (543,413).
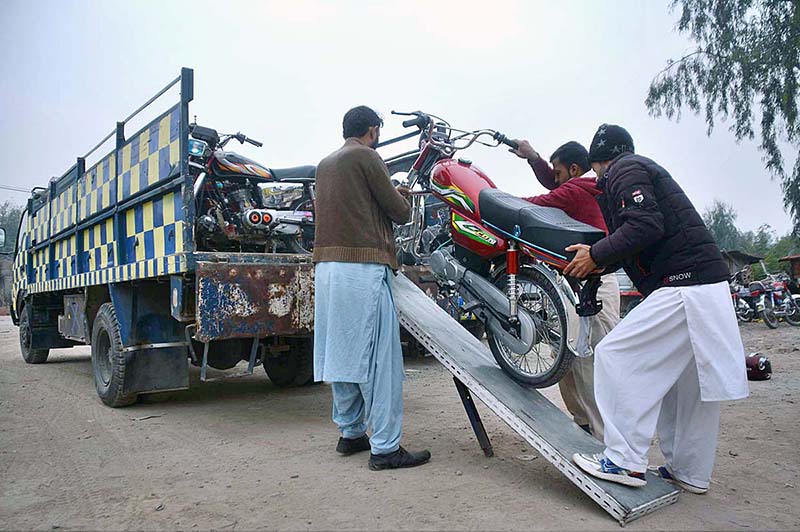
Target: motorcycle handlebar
(505,140)
(254,142)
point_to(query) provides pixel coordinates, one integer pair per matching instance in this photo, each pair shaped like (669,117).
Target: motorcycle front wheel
(549,358)
(768,314)
(793,311)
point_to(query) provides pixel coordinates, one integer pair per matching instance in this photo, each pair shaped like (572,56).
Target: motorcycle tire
(745,316)
(553,312)
(768,315)
(793,317)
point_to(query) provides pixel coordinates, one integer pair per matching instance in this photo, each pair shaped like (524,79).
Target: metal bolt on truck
(166,251)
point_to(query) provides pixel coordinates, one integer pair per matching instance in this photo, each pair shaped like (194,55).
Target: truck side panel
(122,219)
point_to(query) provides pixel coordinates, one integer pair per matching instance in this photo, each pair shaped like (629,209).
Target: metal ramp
(542,424)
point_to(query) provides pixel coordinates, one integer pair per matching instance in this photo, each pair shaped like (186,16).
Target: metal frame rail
(543,425)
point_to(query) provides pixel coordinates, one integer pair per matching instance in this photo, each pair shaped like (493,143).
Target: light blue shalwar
(357,349)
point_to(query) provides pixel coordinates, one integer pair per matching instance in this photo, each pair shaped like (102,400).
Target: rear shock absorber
(512,269)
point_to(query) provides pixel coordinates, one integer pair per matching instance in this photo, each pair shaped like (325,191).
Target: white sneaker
(599,466)
(665,473)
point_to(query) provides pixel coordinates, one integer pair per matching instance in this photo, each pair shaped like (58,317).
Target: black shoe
(348,446)
(399,458)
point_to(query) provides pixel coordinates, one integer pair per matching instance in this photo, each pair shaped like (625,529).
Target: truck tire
(294,367)
(108,359)
(31,356)
(224,354)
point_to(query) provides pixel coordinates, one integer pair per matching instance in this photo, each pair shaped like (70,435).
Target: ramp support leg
(474,418)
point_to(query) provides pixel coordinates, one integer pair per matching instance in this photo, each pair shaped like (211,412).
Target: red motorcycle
(503,255)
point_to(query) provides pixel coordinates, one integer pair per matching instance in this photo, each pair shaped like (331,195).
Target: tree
(747,52)
(720,219)
(10,213)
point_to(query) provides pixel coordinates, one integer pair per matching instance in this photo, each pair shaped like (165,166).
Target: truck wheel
(294,367)
(31,356)
(108,359)
(224,354)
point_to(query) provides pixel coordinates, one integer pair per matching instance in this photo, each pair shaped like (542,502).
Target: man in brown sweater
(357,334)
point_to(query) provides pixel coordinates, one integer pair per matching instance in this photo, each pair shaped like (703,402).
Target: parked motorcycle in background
(776,300)
(743,300)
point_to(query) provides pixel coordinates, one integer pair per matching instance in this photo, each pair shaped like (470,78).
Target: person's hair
(358,120)
(572,153)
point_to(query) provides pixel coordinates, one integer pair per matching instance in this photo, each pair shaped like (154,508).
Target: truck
(165,252)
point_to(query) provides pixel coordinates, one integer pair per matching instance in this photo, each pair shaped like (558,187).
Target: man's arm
(396,207)
(642,224)
(540,167)
(544,173)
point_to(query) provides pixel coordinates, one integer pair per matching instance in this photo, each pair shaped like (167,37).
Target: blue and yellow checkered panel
(98,246)
(40,262)
(153,229)
(40,225)
(96,188)
(20,276)
(63,210)
(150,233)
(65,264)
(151,156)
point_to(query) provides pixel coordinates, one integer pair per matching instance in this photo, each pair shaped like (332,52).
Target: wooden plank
(528,412)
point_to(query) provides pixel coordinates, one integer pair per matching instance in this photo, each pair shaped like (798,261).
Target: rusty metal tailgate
(246,295)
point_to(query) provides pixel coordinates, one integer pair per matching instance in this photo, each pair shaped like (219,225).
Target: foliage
(747,52)
(10,215)
(720,218)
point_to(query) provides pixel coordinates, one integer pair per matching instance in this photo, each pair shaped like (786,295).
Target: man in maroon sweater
(569,190)
(575,195)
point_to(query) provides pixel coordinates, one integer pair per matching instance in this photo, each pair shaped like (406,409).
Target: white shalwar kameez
(666,367)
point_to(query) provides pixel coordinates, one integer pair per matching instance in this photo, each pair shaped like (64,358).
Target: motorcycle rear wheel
(550,354)
(744,315)
(793,311)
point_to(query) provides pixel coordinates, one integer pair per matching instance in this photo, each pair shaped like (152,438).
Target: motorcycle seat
(297,172)
(545,227)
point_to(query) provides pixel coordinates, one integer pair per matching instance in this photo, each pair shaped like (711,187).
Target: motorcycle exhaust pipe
(519,336)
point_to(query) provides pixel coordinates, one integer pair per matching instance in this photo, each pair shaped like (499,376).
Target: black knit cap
(609,142)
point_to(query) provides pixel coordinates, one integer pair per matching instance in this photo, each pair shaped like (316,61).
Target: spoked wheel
(768,314)
(549,358)
(793,311)
(745,316)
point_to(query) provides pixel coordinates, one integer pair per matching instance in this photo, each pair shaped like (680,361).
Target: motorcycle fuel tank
(458,183)
(229,163)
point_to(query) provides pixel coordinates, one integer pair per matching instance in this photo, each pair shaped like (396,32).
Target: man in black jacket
(670,362)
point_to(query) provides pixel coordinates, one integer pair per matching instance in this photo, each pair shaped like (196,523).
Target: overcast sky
(285,72)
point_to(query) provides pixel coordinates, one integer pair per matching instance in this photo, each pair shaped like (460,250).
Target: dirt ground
(240,454)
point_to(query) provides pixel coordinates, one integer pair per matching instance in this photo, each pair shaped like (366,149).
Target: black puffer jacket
(654,230)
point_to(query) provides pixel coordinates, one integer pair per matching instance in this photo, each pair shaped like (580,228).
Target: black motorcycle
(744,302)
(243,206)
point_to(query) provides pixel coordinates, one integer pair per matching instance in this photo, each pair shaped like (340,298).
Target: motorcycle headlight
(197,147)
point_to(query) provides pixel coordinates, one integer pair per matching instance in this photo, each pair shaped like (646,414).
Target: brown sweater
(356,205)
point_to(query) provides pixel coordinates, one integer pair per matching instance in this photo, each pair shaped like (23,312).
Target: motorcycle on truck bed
(169,250)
